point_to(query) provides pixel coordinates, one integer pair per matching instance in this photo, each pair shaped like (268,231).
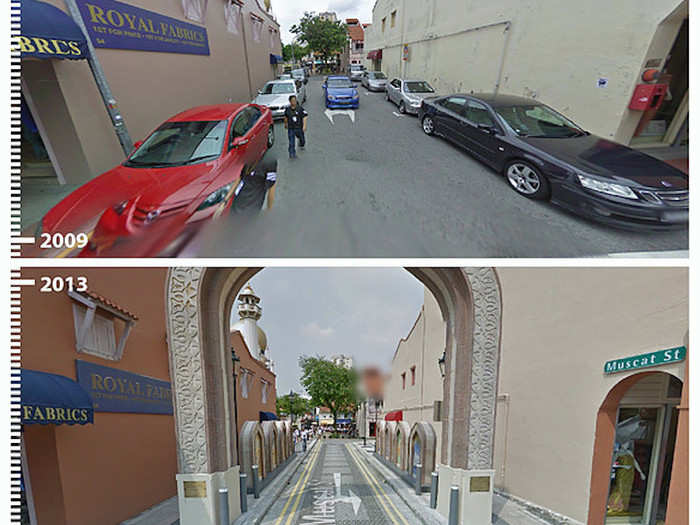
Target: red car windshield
(179,144)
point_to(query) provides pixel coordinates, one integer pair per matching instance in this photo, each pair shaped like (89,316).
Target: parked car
(300,74)
(275,95)
(355,71)
(408,94)
(374,80)
(544,155)
(284,76)
(339,92)
(182,175)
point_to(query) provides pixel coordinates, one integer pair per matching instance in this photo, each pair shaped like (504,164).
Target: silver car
(355,71)
(275,95)
(408,94)
(374,80)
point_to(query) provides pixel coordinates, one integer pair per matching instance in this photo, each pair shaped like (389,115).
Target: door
(257,133)
(449,118)
(482,134)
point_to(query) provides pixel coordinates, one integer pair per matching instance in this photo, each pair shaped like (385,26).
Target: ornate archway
(199,302)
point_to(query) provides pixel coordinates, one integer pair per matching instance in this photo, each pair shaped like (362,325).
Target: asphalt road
(379,187)
(336,485)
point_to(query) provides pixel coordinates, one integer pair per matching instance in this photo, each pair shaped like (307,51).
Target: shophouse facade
(592,412)
(585,60)
(178,54)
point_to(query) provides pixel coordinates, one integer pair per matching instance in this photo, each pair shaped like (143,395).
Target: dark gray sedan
(408,94)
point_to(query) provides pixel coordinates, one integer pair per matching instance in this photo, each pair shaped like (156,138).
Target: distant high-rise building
(342,360)
(328,15)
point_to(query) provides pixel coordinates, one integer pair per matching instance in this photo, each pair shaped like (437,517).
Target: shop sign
(114,390)
(117,25)
(661,357)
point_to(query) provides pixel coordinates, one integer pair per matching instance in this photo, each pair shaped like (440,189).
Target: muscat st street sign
(635,362)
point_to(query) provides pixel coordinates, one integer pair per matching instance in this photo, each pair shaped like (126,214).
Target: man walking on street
(295,123)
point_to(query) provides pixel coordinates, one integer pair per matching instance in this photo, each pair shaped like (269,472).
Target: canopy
(276,59)
(48,32)
(343,421)
(375,55)
(395,415)
(53,399)
(268,416)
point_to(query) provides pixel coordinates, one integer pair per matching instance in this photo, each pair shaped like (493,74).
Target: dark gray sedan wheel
(428,125)
(527,180)
(402,107)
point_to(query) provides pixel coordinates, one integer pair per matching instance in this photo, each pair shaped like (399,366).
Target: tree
(324,37)
(291,52)
(329,385)
(292,405)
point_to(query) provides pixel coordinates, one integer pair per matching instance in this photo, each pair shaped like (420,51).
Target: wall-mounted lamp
(441,364)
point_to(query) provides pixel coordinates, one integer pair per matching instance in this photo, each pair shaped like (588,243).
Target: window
(383,24)
(478,114)
(195,9)
(244,379)
(241,125)
(264,385)
(456,104)
(413,375)
(257,24)
(393,18)
(403,380)
(396,83)
(100,339)
(232,16)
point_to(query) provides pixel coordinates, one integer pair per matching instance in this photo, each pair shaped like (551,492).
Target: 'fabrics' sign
(661,357)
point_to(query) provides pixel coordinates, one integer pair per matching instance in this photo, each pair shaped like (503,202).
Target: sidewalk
(506,511)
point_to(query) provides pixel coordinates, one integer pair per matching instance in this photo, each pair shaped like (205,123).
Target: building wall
(421,348)
(150,87)
(554,51)
(123,463)
(249,409)
(559,327)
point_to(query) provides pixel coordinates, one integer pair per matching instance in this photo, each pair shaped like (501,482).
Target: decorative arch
(252,449)
(199,302)
(403,432)
(379,436)
(424,433)
(271,444)
(389,439)
(283,452)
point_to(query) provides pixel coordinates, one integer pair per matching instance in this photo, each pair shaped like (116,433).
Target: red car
(183,174)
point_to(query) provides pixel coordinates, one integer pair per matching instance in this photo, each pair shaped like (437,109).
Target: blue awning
(48,32)
(343,421)
(53,399)
(276,59)
(268,416)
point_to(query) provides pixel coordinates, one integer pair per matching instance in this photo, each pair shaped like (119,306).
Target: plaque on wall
(195,489)
(480,484)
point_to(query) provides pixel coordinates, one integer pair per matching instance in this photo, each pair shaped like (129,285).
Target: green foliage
(293,405)
(329,385)
(321,36)
(294,51)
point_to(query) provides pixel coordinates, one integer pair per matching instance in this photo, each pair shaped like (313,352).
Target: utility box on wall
(648,96)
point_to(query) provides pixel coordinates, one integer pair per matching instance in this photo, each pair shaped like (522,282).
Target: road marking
(351,498)
(331,113)
(306,469)
(369,476)
(300,493)
(396,114)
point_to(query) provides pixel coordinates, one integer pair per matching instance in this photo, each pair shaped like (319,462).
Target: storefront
(156,58)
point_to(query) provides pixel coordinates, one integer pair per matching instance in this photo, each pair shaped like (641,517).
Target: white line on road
(331,113)
(397,114)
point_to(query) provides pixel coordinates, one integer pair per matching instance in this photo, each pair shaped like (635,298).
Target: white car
(408,94)
(275,95)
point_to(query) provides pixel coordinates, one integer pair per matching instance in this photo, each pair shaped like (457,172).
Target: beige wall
(559,328)
(554,51)
(150,87)
(421,348)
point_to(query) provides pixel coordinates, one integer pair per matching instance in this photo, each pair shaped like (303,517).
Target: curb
(272,492)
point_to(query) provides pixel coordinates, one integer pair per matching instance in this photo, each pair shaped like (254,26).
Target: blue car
(339,93)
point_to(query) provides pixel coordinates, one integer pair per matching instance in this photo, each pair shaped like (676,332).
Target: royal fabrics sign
(635,362)
(114,390)
(117,25)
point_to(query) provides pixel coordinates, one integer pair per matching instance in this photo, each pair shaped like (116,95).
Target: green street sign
(661,357)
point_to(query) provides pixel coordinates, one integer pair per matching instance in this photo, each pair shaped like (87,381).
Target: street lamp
(441,364)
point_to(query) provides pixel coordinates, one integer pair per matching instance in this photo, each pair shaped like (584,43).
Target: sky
(360,312)
(289,12)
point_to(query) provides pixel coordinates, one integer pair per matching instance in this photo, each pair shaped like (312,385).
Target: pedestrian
(256,184)
(295,118)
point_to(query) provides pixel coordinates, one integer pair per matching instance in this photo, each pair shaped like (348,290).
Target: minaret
(249,312)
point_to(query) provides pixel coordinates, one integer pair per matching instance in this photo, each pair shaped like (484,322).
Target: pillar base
(475,494)
(198,496)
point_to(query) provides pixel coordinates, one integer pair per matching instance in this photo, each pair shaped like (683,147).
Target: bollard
(364,441)
(223,507)
(419,478)
(433,489)
(303,446)
(244,492)
(256,485)
(453,516)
